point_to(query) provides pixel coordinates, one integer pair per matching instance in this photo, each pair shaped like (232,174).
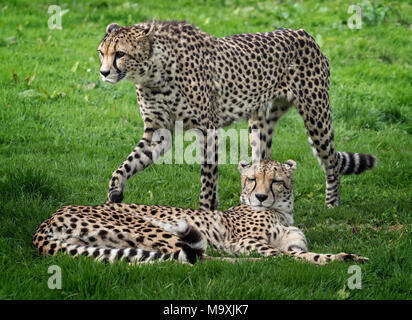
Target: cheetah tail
(355,162)
(53,246)
(350,162)
(192,249)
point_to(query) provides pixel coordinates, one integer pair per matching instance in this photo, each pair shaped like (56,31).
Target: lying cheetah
(184,74)
(141,233)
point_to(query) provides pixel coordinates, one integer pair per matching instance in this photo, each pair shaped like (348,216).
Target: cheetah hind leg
(347,163)
(321,139)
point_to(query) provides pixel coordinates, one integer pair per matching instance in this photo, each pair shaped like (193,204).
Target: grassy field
(63,132)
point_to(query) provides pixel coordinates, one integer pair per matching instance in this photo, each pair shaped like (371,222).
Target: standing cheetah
(184,74)
(140,233)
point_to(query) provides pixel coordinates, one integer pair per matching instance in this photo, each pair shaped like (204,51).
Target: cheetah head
(124,52)
(267,184)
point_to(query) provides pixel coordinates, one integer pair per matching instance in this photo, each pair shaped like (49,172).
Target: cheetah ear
(243,165)
(112,27)
(291,164)
(150,32)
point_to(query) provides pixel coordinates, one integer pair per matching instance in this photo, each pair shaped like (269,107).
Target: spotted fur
(263,223)
(182,73)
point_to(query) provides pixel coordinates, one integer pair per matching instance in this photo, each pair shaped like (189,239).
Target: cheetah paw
(350,257)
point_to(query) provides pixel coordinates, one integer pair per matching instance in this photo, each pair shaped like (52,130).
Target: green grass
(61,137)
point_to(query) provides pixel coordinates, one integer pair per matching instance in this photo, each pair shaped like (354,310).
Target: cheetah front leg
(209,171)
(153,144)
(250,244)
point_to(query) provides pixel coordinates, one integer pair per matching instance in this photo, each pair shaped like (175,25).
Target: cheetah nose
(261,196)
(105,73)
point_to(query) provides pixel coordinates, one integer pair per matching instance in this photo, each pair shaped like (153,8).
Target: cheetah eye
(280,182)
(100,53)
(251,178)
(119,54)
